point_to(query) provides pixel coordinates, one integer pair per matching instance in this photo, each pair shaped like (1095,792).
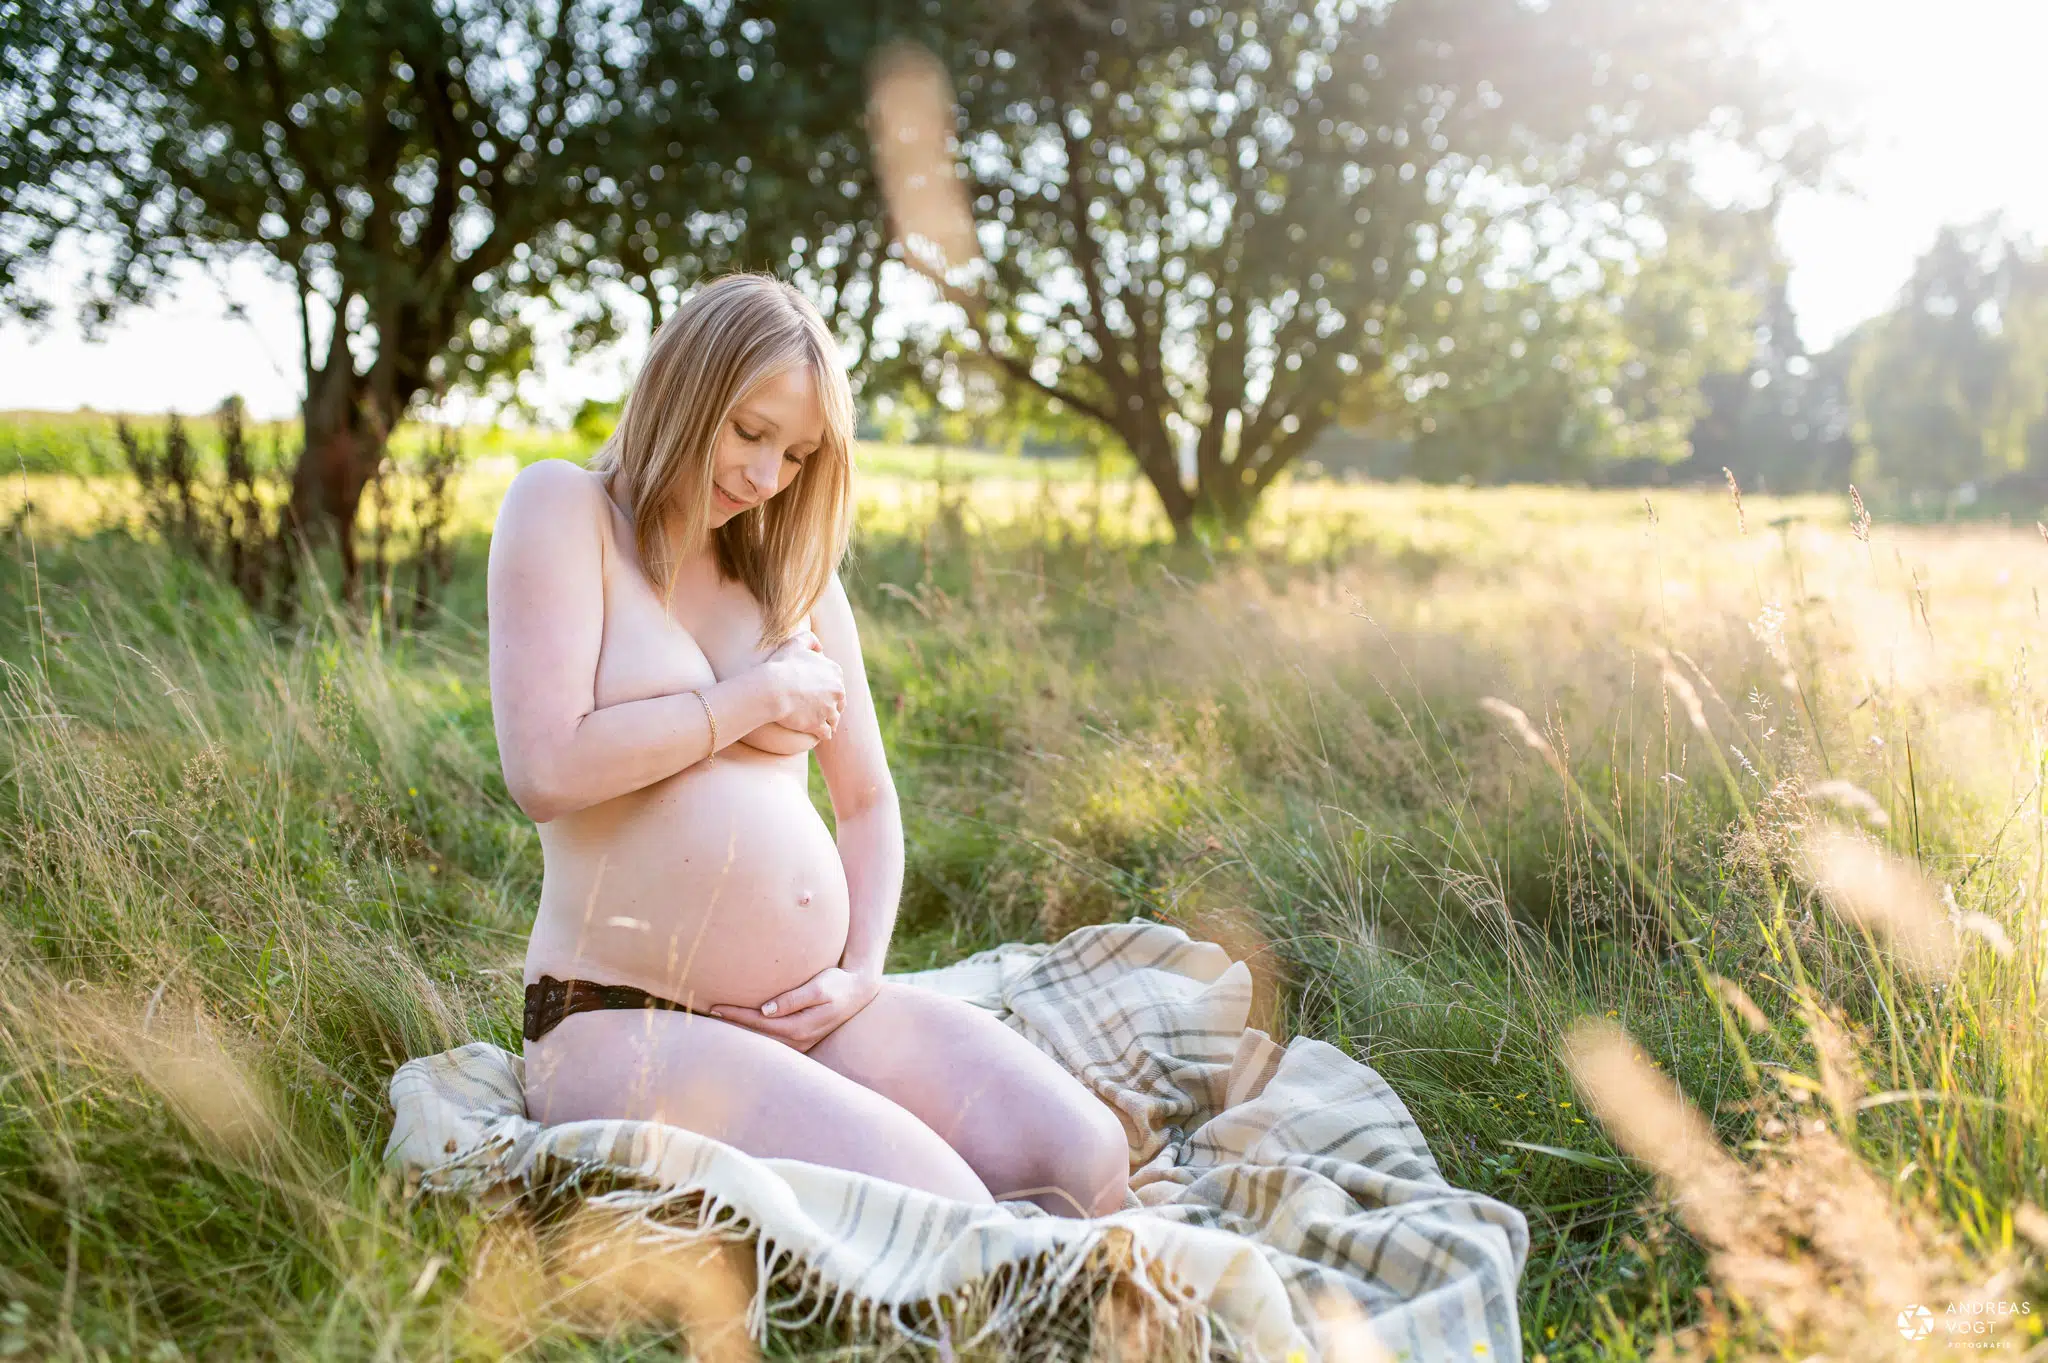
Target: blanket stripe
(1268,1182)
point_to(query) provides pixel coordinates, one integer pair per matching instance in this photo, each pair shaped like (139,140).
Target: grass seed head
(1870,886)
(1518,720)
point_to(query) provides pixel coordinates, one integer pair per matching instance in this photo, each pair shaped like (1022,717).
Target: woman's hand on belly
(809,1013)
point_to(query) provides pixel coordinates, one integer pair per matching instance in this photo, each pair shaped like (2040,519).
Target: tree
(1203,222)
(421,170)
(789,190)
(1581,374)
(1951,385)
(1779,420)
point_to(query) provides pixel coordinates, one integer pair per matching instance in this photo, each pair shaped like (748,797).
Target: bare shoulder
(552,508)
(551,485)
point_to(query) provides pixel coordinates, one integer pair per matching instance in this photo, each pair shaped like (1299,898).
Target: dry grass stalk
(206,1078)
(1841,1071)
(1982,926)
(1745,1007)
(2030,1221)
(507,1298)
(1518,720)
(1344,1335)
(1852,797)
(1125,1327)
(1805,1242)
(1652,1122)
(1871,886)
(613,1277)
(1682,687)
(910,105)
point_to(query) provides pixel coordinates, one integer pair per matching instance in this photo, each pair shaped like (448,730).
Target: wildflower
(1769,629)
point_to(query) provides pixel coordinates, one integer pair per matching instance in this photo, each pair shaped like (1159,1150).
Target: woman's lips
(731,503)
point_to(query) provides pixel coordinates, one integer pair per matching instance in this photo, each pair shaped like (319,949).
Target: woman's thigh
(1025,1125)
(751,1091)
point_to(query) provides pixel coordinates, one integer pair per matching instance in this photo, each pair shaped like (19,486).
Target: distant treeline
(1686,364)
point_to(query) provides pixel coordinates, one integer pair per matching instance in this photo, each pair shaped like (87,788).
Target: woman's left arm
(864,806)
(870,836)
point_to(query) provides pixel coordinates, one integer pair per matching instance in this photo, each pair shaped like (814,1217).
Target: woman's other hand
(807,1014)
(811,685)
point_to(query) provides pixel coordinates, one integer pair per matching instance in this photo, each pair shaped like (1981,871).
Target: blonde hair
(731,334)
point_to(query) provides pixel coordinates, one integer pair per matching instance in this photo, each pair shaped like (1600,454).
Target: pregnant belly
(720,884)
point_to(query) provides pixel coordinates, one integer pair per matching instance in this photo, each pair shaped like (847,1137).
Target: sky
(1953,113)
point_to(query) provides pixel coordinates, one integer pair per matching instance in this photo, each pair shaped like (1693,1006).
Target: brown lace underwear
(549,1000)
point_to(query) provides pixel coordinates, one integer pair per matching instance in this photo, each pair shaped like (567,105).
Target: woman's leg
(751,1091)
(1027,1127)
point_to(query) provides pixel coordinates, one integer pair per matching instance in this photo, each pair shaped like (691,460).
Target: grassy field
(1481,782)
(84,443)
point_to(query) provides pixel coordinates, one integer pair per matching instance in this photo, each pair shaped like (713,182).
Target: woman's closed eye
(755,437)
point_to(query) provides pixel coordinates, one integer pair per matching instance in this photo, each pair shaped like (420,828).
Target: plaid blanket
(1283,1204)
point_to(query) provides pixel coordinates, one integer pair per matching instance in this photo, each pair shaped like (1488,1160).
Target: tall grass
(1628,961)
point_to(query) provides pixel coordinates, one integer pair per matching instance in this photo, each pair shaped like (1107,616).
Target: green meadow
(1477,780)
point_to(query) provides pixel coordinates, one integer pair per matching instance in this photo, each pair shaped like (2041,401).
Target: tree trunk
(345,439)
(1161,468)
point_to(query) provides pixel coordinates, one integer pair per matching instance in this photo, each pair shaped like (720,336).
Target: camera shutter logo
(1916,1322)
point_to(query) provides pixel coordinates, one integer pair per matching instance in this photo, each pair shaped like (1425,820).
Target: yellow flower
(414,790)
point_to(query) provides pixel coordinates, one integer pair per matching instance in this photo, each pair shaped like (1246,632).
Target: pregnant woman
(669,646)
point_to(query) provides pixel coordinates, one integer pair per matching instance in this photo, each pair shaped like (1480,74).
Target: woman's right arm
(545,594)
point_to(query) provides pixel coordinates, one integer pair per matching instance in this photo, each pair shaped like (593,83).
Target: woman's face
(777,425)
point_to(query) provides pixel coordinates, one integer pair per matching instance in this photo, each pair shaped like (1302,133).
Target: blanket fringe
(1041,1307)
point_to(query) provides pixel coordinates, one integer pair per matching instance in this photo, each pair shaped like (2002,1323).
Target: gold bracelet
(710,719)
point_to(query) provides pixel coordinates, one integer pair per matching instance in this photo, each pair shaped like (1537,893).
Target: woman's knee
(902,1149)
(1082,1157)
